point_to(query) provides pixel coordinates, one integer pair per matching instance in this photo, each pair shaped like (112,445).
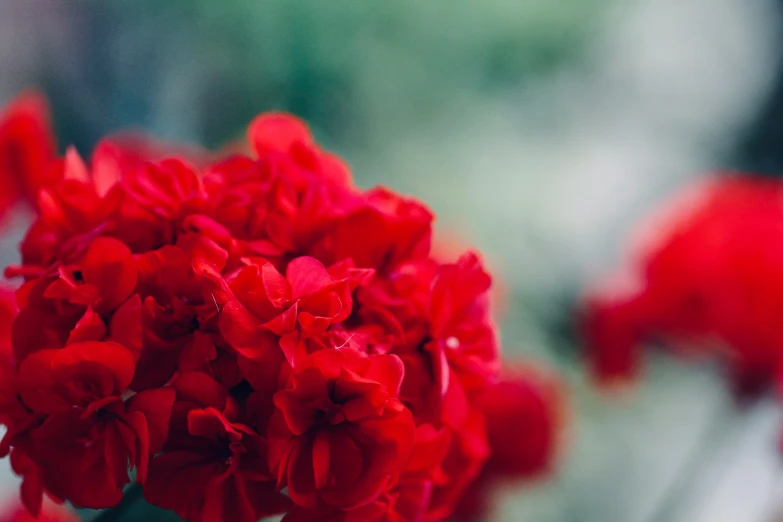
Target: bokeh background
(538,130)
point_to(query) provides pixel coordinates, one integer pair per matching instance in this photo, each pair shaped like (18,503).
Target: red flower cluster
(253,326)
(706,279)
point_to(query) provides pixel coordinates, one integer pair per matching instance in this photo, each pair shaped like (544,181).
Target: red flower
(214,467)
(27,146)
(71,215)
(441,330)
(180,317)
(707,275)
(271,312)
(524,416)
(89,300)
(87,434)
(461,326)
(408,495)
(437,319)
(339,434)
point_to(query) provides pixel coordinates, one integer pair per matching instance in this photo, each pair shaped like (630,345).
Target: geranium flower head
(253,334)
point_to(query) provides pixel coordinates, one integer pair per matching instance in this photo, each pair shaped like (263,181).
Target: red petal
(429,449)
(109,266)
(211,424)
(277,288)
(125,326)
(276,132)
(299,473)
(321,459)
(156,406)
(244,332)
(107,164)
(387,370)
(140,426)
(284,323)
(204,250)
(27,146)
(247,282)
(307,276)
(335,169)
(202,389)
(74,167)
(89,328)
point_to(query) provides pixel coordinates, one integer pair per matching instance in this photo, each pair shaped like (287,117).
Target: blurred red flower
(705,279)
(525,417)
(27,148)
